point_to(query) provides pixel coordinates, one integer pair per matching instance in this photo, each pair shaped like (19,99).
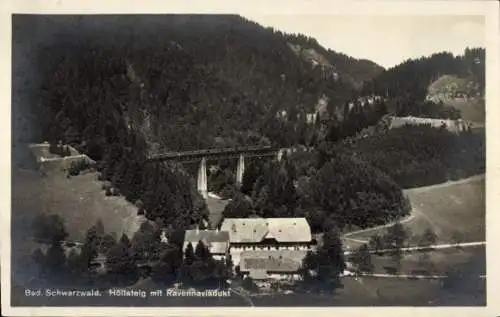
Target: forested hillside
(332,190)
(118,88)
(406,85)
(182,82)
(419,155)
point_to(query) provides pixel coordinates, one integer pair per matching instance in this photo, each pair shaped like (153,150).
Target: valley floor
(444,207)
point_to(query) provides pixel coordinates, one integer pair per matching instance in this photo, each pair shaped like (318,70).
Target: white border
(489,9)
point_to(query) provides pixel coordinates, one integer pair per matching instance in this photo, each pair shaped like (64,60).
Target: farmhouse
(216,241)
(267,236)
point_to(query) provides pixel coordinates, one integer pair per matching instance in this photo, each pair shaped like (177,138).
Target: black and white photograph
(248,159)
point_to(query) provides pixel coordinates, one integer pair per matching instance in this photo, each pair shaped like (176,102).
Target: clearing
(80,202)
(471,110)
(448,209)
(215,207)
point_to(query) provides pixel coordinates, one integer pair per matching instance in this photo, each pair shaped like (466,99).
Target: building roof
(285,261)
(258,274)
(216,241)
(254,230)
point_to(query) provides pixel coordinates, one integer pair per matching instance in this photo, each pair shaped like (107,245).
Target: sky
(386,40)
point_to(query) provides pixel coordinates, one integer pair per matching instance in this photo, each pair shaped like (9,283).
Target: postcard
(222,158)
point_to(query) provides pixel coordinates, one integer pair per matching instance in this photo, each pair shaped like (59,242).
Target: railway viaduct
(204,155)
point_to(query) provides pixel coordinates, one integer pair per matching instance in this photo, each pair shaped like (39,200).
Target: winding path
(415,211)
(409,276)
(430,247)
(347,235)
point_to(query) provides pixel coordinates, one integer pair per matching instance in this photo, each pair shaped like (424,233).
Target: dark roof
(272,261)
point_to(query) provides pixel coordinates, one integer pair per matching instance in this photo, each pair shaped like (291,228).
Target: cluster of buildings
(320,112)
(49,161)
(365,101)
(452,91)
(262,248)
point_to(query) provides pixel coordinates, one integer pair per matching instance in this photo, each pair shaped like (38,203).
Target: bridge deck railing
(229,152)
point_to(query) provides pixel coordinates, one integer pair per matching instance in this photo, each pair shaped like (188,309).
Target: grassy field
(446,209)
(471,110)
(215,208)
(441,261)
(80,202)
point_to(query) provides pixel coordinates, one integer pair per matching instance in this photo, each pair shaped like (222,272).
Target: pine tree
(125,241)
(330,259)
(107,242)
(90,246)
(251,174)
(75,264)
(362,258)
(428,238)
(238,207)
(99,228)
(120,260)
(55,259)
(201,252)
(396,235)
(189,255)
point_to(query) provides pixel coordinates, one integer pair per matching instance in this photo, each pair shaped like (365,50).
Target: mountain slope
(351,70)
(416,82)
(462,93)
(181,82)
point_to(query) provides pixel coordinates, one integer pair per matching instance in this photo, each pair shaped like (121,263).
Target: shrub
(78,166)
(48,228)
(249,284)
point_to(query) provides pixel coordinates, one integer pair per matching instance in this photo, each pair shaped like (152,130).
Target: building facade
(267,236)
(216,241)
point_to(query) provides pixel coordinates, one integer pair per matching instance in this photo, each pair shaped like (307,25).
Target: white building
(216,241)
(267,235)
